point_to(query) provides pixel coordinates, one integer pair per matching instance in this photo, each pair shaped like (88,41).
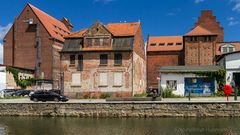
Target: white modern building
(231,62)
(3,78)
(182,80)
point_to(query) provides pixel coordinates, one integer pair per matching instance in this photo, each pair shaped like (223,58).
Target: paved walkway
(165,100)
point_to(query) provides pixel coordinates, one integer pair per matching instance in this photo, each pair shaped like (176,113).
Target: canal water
(130,126)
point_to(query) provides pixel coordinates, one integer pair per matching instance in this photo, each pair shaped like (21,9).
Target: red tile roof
(55,27)
(123,29)
(199,31)
(165,40)
(117,29)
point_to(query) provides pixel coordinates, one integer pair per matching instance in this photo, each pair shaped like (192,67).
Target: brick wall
(157,59)
(25,46)
(90,74)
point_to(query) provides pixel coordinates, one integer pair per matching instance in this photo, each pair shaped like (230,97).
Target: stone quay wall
(123,109)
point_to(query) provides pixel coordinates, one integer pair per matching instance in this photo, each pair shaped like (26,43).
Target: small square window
(172,84)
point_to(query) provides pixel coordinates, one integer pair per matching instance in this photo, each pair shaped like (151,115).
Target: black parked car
(22,93)
(47,96)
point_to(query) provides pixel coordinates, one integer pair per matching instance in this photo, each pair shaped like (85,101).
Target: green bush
(220,93)
(104,95)
(141,95)
(168,93)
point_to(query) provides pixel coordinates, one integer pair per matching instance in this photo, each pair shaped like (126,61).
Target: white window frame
(171,83)
(228,46)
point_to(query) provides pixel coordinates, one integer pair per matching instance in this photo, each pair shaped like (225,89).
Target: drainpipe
(132,75)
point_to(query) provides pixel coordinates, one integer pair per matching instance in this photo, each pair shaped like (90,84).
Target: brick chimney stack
(67,23)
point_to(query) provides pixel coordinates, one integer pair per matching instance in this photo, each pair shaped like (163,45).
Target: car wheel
(56,99)
(35,99)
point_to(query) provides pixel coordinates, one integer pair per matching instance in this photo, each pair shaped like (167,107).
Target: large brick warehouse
(34,42)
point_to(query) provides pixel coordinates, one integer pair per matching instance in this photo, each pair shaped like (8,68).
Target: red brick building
(104,59)
(200,43)
(34,42)
(196,48)
(162,51)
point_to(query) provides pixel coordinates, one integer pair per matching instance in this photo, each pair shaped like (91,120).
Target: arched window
(226,48)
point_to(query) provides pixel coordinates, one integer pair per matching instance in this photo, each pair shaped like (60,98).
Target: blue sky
(158,17)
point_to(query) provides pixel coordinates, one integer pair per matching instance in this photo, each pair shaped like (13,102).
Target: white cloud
(103,1)
(1,53)
(4,30)
(232,21)
(198,1)
(236,6)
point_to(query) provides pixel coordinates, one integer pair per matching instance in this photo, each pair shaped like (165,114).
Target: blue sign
(199,86)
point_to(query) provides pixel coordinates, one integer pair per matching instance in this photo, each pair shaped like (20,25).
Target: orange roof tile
(117,29)
(77,34)
(198,31)
(123,29)
(165,40)
(55,27)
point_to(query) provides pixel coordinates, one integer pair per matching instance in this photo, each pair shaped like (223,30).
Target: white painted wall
(180,81)
(232,63)
(3,82)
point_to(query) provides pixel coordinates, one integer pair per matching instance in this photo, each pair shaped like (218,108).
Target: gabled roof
(54,27)
(117,29)
(199,31)
(165,40)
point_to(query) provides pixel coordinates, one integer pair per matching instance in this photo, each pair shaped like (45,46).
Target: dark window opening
(178,43)
(170,44)
(117,59)
(193,39)
(80,62)
(72,59)
(161,44)
(103,59)
(154,44)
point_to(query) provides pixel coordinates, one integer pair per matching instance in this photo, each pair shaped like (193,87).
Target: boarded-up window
(76,79)
(117,79)
(103,79)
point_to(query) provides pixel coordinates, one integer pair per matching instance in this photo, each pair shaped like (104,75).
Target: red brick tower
(200,43)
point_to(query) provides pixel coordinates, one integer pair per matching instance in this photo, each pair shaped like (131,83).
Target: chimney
(67,23)
(206,12)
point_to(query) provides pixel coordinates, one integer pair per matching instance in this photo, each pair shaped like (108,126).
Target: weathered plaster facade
(89,76)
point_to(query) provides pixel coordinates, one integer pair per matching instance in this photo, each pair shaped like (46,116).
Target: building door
(236,77)
(199,86)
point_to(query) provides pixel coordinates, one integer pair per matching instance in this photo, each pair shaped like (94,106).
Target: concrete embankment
(124,109)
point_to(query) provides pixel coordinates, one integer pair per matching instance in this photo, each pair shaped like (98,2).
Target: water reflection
(89,126)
